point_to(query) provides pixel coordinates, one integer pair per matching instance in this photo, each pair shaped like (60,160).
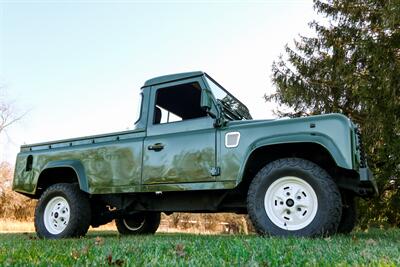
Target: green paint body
(122,163)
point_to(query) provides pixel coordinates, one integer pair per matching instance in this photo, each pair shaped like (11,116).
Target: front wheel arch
(264,154)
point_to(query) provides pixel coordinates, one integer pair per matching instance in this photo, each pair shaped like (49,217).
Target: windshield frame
(139,109)
(232,113)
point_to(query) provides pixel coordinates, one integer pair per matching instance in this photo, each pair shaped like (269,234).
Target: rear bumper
(367,186)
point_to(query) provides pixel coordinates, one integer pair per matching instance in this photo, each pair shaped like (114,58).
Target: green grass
(377,247)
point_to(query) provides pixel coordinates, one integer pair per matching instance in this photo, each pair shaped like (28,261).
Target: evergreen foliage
(352,66)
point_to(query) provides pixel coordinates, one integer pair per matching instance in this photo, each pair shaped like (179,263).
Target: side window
(178,103)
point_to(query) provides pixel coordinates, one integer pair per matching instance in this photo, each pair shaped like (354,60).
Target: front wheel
(139,223)
(294,197)
(63,211)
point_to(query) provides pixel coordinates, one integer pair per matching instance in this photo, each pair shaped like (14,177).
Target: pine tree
(352,66)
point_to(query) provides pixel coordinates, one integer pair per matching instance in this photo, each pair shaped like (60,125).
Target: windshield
(233,108)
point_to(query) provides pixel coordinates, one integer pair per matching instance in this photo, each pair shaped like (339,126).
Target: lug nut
(298,197)
(287,193)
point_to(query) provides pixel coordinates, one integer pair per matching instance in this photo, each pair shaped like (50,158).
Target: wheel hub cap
(291,203)
(56,215)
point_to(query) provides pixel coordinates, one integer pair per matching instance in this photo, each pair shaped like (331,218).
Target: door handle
(156,147)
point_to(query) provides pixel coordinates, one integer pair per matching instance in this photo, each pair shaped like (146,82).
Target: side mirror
(207,104)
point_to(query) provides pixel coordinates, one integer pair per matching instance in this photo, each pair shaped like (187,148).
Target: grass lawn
(376,247)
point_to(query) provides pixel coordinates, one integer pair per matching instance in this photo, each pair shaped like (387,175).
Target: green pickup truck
(196,148)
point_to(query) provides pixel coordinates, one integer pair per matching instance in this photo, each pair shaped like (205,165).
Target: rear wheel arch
(61,172)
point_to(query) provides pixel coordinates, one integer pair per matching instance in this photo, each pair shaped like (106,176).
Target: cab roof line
(172,78)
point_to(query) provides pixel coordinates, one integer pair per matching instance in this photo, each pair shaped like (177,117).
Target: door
(180,142)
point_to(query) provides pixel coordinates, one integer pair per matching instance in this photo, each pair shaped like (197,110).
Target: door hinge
(215,171)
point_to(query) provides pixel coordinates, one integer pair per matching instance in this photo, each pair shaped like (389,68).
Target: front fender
(318,138)
(76,165)
(337,154)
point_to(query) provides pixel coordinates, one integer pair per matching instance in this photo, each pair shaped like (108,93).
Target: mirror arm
(219,121)
(211,114)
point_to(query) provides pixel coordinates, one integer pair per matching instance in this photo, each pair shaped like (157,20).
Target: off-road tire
(79,209)
(329,209)
(349,214)
(147,223)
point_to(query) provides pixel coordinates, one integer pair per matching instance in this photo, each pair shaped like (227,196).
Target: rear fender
(76,165)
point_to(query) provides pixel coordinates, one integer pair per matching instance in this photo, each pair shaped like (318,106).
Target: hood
(283,121)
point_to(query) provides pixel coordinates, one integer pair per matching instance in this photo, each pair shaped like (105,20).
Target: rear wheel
(63,211)
(294,197)
(140,223)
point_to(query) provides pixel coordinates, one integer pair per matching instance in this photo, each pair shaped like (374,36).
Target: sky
(76,67)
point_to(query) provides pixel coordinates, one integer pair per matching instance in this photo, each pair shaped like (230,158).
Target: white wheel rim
(56,215)
(291,203)
(133,228)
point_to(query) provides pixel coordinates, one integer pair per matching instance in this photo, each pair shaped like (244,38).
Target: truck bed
(77,141)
